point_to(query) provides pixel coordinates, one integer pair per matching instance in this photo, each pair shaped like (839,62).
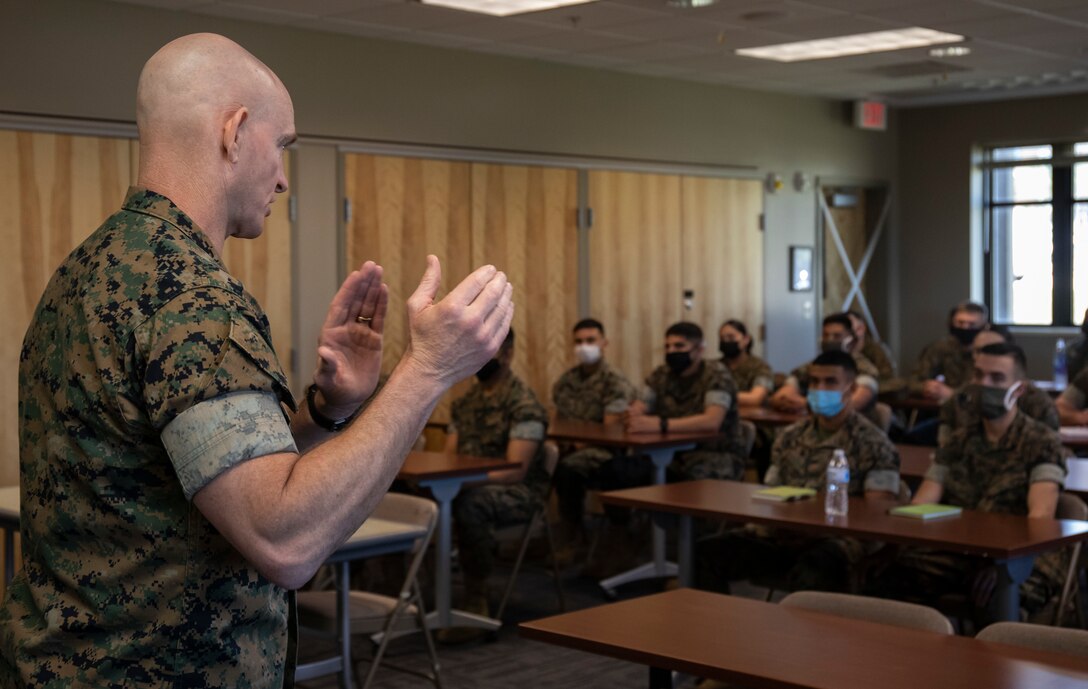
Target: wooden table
(660,448)
(375,537)
(1074,437)
(444,474)
(770,418)
(769,646)
(1010,541)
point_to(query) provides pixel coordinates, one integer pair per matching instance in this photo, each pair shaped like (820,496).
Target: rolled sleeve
(527,430)
(616,406)
(718,398)
(937,472)
(792,382)
(1047,472)
(867,381)
(772,477)
(882,479)
(220,433)
(649,397)
(763,381)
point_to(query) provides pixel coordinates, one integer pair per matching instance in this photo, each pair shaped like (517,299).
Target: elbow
(283,565)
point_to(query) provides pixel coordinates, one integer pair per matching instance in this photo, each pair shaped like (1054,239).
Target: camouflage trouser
(477,513)
(923,575)
(752,552)
(593,468)
(699,464)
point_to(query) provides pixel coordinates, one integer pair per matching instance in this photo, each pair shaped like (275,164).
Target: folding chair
(375,614)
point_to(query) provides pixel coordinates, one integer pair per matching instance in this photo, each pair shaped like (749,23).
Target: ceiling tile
(495,29)
(406,15)
(251,13)
(317,8)
(649,51)
(668,28)
(933,14)
(593,16)
(574,40)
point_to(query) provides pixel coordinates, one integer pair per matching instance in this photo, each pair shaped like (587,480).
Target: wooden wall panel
(402,210)
(54,191)
(634,276)
(722,258)
(524,221)
(264,267)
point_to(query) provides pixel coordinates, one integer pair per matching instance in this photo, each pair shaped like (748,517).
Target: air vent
(905,70)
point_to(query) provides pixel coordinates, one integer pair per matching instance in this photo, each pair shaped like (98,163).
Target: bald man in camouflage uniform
(499,417)
(799,458)
(172,496)
(591,391)
(690,393)
(1020,472)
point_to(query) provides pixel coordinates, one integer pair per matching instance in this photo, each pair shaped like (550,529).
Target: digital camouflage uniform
(875,352)
(960,411)
(752,372)
(586,398)
(673,396)
(146,372)
(799,458)
(945,357)
(485,421)
(989,478)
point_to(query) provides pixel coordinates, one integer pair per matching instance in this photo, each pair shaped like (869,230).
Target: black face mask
(678,362)
(965,335)
(729,350)
(488,371)
(832,345)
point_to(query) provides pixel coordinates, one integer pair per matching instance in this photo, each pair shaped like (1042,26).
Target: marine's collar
(141,200)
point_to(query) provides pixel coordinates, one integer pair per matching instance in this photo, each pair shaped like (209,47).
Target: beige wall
(935,189)
(81,58)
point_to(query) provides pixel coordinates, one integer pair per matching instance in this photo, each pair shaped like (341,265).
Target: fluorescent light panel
(856,44)
(503,8)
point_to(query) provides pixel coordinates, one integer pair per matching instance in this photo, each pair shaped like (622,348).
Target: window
(1037,233)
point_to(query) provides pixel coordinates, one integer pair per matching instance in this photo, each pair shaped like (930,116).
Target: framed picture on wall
(801,268)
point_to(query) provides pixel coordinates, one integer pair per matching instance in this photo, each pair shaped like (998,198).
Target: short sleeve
(883,467)
(938,468)
(528,418)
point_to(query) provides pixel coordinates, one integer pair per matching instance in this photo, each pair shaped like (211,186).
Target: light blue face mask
(825,402)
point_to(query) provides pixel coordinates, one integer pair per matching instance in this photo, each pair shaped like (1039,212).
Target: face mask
(729,350)
(991,403)
(965,335)
(488,371)
(587,354)
(825,402)
(678,362)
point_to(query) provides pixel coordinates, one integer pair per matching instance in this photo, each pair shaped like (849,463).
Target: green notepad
(784,494)
(926,511)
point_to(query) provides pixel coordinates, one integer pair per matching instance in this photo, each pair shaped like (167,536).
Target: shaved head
(211,119)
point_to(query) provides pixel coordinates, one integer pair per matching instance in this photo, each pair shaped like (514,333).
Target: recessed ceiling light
(950,51)
(503,8)
(855,44)
(689,4)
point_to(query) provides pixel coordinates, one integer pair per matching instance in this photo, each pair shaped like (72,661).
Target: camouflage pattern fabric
(803,450)
(799,458)
(1076,394)
(485,421)
(673,396)
(751,372)
(990,478)
(589,398)
(1076,356)
(875,352)
(124,583)
(945,357)
(959,411)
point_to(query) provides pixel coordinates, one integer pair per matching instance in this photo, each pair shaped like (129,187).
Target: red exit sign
(870,114)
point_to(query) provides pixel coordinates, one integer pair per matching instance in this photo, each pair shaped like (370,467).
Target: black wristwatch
(664,424)
(332,425)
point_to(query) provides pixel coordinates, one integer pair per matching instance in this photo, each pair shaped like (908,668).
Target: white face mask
(587,354)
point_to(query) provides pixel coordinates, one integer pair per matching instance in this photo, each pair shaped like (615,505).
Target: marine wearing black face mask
(678,362)
(965,336)
(729,349)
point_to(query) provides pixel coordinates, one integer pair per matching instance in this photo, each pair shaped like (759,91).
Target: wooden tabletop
(613,435)
(1074,437)
(766,645)
(422,466)
(914,460)
(765,416)
(992,535)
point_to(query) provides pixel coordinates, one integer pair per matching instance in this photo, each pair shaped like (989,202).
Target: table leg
(9,553)
(660,678)
(659,567)
(1010,574)
(444,491)
(343,618)
(684,548)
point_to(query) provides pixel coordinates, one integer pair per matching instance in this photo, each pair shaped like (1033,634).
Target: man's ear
(231,131)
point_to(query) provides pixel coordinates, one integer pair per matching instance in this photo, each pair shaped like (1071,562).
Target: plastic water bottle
(1061,372)
(836,501)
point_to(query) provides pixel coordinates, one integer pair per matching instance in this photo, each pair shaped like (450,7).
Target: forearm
(1069,415)
(697,423)
(753,397)
(929,491)
(1042,499)
(297,509)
